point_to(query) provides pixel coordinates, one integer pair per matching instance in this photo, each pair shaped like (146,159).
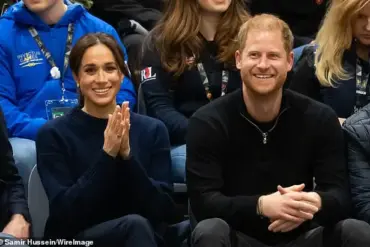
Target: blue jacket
(25,73)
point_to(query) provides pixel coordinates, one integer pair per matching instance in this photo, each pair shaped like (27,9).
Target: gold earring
(78,85)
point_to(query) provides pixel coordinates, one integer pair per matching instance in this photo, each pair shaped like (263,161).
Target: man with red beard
(252,156)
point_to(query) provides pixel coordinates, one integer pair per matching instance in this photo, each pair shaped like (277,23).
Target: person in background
(14,214)
(304,17)
(122,13)
(36,81)
(357,129)
(145,12)
(250,167)
(119,13)
(188,61)
(104,170)
(335,70)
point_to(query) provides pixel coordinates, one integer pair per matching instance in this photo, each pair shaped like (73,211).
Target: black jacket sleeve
(204,177)
(303,79)
(156,86)
(146,12)
(330,170)
(16,201)
(359,169)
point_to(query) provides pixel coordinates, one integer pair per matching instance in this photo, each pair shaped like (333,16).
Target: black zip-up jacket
(357,129)
(303,17)
(173,100)
(146,12)
(232,160)
(12,194)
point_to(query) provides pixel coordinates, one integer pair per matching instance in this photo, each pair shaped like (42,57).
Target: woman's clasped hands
(117,132)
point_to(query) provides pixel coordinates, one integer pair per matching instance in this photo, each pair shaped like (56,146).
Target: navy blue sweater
(86,186)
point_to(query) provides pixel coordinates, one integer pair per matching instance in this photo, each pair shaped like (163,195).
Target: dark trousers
(128,231)
(347,233)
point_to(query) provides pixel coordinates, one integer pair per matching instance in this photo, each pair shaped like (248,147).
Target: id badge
(58,108)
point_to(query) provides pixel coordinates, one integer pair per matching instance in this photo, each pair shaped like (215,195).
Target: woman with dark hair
(188,60)
(103,185)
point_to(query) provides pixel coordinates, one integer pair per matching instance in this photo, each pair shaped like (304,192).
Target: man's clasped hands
(289,207)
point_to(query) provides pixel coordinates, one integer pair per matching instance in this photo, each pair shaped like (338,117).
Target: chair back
(38,204)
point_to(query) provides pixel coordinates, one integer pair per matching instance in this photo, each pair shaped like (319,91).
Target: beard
(263,87)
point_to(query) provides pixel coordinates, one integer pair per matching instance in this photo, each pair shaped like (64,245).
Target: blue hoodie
(25,81)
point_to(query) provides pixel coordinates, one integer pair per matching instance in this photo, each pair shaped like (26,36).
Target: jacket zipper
(265,134)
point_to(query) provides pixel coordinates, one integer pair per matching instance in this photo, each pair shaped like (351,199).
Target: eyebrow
(258,51)
(93,65)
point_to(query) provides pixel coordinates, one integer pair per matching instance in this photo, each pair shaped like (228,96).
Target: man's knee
(354,231)
(136,223)
(211,230)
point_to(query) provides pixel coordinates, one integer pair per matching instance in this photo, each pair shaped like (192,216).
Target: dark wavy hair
(90,40)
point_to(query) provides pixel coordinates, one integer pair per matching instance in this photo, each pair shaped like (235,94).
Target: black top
(145,12)
(12,194)
(86,186)
(173,100)
(231,162)
(303,17)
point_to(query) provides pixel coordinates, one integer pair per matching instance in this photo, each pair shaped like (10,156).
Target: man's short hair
(266,22)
